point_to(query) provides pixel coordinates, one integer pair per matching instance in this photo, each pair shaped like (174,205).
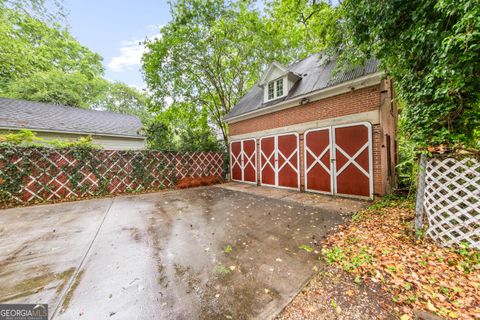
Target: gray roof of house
(21,114)
(317,73)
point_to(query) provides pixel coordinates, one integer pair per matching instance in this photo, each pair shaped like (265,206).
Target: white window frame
(275,85)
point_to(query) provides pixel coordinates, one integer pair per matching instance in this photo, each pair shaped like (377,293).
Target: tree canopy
(212,52)
(41,61)
(183,126)
(302,27)
(54,86)
(30,45)
(432,50)
(208,55)
(119,97)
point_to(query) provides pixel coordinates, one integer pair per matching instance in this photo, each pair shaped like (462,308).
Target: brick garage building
(309,128)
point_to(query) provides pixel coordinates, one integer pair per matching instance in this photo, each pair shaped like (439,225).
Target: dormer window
(277,81)
(275,89)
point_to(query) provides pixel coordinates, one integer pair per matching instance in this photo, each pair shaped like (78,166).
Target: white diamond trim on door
(235,160)
(276,153)
(351,159)
(328,149)
(332,148)
(268,161)
(248,160)
(242,160)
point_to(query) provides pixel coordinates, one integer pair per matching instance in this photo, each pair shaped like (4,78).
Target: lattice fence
(452,200)
(32,175)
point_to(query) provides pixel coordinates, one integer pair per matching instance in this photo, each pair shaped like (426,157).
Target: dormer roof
(276,70)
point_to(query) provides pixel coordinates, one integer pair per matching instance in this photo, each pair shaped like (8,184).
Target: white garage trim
(332,148)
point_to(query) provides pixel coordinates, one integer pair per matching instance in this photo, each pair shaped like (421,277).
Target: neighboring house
(306,127)
(110,130)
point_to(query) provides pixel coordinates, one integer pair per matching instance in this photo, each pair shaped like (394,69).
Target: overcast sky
(114,28)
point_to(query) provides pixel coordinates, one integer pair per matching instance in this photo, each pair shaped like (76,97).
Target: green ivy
(18,163)
(431,48)
(13,175)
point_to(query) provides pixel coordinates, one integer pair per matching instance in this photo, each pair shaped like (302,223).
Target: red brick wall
(357,101)
(378,187)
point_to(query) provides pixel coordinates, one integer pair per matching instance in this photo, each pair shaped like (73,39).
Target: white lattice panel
(452,200)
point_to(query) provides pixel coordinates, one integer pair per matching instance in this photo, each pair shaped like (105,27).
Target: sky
(114,29)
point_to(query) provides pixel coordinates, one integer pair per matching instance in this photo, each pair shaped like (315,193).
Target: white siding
(109,143)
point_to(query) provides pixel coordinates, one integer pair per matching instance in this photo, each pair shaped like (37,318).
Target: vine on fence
(37,174)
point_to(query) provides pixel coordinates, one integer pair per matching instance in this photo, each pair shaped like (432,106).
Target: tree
(208,56)
(54,86)
(30,45)
(119,97)
(183,127)
(431,49)
(48,11)
(41,61)
(303,26)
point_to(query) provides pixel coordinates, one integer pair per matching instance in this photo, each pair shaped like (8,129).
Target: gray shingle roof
(317,73)
(21,114)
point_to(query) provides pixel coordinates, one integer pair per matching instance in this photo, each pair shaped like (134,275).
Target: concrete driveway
(205,253)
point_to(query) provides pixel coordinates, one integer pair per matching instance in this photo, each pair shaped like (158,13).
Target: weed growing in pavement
(222,269)
(306,248)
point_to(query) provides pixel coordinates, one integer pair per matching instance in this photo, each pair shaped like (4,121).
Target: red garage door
(318,170)
(279,161)
(236,157)
(338,160)
(243,160)
(353,160)
(268,167)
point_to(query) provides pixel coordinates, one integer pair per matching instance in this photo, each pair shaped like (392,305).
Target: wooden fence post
(420,193)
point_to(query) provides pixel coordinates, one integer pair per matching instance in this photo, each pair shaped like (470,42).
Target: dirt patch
(333,294)
(135,233)
(380,247)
